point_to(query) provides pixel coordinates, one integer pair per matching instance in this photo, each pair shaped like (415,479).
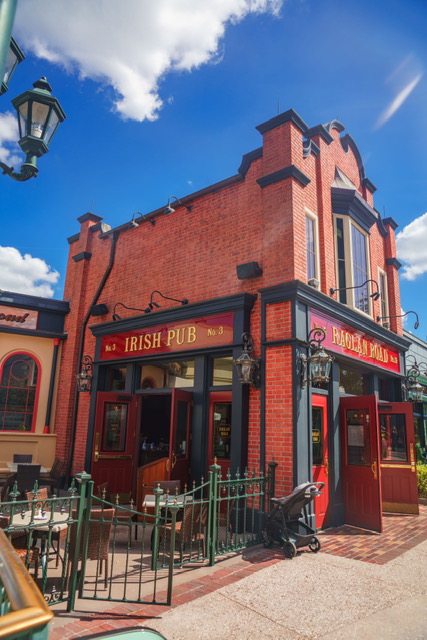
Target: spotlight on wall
(153,304)
(417,322)
(133,223)
(84,378)
(169,209)
(318,362)
(246,364)
(375,295)
(120,304)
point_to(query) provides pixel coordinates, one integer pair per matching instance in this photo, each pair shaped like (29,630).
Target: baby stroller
(284,524)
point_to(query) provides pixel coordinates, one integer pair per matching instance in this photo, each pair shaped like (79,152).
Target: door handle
(326,465)
(96,452)
(167,464)
(412,456)
(173,460)
(374,467)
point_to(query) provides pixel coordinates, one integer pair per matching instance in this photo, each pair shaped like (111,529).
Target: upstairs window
(18,393)
(312,246)
(382,283)
(352,264)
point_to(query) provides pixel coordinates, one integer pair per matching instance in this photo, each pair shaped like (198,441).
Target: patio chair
(99,539)
(26,477)
(18,540)
(53,478)
(121,515)
(22,457)
(191,529)
(172,487)
(57,536)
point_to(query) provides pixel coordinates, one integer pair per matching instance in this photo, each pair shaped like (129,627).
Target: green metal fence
(82,545)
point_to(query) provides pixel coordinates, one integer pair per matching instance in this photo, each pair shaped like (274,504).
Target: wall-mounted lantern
(412,389)
(246,364)
(84,378)
(316,367)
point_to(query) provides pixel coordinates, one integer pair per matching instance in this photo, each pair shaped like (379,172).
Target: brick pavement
(401,533)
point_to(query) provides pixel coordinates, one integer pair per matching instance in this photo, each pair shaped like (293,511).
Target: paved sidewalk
(361,585)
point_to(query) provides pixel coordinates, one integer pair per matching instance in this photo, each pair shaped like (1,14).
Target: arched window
(18,393)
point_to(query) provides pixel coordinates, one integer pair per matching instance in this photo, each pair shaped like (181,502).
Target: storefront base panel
(397,507)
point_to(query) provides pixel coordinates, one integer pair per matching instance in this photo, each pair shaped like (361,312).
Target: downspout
(52,381)
(104,278)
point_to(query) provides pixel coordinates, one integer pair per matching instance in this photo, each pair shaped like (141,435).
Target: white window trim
(313,216)
(348,222)
(381,272)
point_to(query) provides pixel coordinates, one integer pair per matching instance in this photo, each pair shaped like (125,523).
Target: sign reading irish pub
(198,333)
(350,342)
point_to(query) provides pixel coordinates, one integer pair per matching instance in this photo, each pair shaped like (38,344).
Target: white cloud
(131,44)
(403,80)
(8,139)
(411,245)
(25,274)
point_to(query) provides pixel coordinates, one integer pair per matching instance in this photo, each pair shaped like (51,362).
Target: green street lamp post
(39,112)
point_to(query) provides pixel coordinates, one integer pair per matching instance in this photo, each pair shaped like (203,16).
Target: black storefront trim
(282,174)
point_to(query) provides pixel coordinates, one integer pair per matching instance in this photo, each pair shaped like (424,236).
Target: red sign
(356,344)
(198,333)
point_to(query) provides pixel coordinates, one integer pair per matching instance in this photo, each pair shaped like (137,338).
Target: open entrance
(319,438)
(378,460)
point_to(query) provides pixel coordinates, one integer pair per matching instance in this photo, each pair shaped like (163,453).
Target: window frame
(3,363)
(313,217)
(348,297)
(384,308)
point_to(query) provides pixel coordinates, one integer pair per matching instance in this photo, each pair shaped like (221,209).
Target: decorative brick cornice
(288,172)
(73,238)
(84,255)
(308,146)
(390,222)
(319,130)
(350,203)
(287,116)
(247,159)
(369,185)
(394,262)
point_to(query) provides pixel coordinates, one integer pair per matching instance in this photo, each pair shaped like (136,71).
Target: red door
(360,462)
(114,449)
(219,448)
(178,465)
(319,439)
(398,466)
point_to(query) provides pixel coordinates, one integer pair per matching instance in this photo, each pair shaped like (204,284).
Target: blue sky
(163,98)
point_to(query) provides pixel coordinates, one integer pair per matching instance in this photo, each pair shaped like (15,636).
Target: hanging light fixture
(84,378)
(246,364)
(316,367)
(412,389)
(14,57)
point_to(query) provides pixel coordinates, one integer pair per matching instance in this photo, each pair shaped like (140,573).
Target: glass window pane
(310,246)
(17,392)
(393,437)
(167,375)
(358,437)
(115,422)
(39,116)
(317,435)
(353,382)
(360,270)
(222,430)
(116,379)
(51,127)
(181,443)
(23,117)
(222,371)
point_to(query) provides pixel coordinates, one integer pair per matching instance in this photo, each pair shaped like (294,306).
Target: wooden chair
(99,539)
(22,457)
(53,478)
(57,536)
(172,487)
(191,529)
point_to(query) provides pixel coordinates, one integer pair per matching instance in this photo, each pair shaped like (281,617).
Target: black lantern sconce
(412,389)
(246,364)
(318,362)
(153,304)
(84,378)
(375,295)
(417,322)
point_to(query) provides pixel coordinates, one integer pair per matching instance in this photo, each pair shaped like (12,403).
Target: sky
(162,98)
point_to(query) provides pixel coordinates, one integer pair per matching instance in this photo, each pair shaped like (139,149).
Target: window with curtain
(352,265)
(18,388)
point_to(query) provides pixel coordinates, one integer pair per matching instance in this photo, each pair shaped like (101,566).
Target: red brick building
(290,243)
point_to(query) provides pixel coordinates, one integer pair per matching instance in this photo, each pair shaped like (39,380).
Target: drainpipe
(52,383)
(114,238)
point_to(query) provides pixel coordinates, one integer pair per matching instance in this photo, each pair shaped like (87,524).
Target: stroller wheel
(314,545)
(267,540)
(289,549)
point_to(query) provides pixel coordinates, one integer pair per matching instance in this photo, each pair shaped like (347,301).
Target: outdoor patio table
(13,466)
(54,522)
(150,501)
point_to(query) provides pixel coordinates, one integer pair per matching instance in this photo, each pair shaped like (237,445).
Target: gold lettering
(133,343)
(155,340)
(171,336)
(335,335)
(348,340)
(126,344)
(147,341)
(191,334)
(180,335)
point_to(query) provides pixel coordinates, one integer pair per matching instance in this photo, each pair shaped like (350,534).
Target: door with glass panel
(114,441)
(219,449)
(398,460)
(360,468)
(319,439)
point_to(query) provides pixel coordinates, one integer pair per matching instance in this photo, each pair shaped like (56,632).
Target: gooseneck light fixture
(316,367)
(169,209)
(84,378)
(153,304)
(375,295)
(246,364)
(120,304)
(417,322)
(412,389)
(133,223)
